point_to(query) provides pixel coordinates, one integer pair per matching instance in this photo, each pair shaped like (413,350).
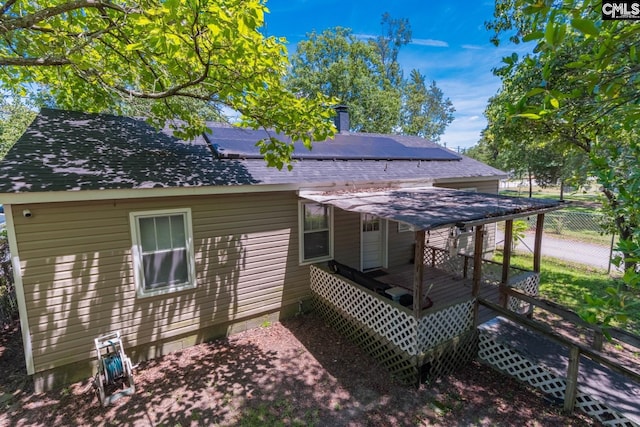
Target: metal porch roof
(431,208)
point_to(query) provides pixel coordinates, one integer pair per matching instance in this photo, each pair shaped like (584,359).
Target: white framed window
(370,223)
(316,232)
(162,250)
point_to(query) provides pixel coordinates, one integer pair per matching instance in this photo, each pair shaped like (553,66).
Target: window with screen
(162,251)
(316,234)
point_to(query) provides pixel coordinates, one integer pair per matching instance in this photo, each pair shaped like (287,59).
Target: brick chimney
(341,119)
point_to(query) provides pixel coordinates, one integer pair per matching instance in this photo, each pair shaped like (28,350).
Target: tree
(425,112)
(94,55)
(588,91)
(15,116)
(395,34)
(337,64)
(535,149)
(365,75)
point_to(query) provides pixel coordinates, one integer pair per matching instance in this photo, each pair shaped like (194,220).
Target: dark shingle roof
(66,151)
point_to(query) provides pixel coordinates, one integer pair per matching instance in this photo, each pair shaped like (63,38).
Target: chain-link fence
(577,237)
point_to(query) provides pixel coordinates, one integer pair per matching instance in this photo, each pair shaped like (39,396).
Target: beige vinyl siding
(400,246)
(346,237)
(78,274)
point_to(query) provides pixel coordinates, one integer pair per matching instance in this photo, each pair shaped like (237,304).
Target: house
(115,226)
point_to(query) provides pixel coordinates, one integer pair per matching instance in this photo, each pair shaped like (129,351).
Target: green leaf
(549,34)
(575,64)
(532,116)
(134,46)
(554,103)
(536,35)
(535,91)
(622,318)
(585,26)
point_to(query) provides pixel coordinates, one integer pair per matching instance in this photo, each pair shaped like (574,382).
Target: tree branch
(28,21)
(6,6)
(33,62)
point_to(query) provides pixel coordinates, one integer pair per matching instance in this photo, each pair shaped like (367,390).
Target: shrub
(8,302)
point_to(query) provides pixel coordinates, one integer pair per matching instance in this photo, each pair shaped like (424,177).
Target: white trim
(385,244)
(19,286)
(138,272)
(301,259)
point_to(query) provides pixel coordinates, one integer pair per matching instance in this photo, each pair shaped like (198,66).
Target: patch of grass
(581,202)
(278,413)
(568,283)
(265,323)
(569,222)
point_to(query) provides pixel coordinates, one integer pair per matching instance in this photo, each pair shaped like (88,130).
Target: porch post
(477,271)
(477,260)
(418,272)
(537,249)
(506,260)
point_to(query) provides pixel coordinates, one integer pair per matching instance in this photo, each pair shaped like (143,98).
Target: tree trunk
(625,231)
(626,234)
(530,184)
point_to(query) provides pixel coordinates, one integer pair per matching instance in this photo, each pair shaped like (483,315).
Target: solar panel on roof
(241,143)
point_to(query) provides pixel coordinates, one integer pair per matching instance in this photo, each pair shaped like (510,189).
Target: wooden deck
(443,288)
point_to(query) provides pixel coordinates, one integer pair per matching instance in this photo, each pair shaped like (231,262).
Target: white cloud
(417,42)
(361,36)
(430,42)
(472,47)
(463,133)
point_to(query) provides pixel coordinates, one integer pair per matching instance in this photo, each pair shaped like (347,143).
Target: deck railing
(462,265)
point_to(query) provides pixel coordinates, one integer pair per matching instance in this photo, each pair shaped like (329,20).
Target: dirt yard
(299,372)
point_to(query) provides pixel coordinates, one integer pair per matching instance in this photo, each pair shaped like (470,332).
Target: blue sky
(450,45)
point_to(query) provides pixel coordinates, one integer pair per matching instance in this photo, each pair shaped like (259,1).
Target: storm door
(373,242)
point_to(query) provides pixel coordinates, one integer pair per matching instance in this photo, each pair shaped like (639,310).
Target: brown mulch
(298,372)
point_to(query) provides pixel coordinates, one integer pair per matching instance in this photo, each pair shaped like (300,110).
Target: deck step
(532,358)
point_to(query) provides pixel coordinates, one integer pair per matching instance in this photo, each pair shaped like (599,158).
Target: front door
(372,242)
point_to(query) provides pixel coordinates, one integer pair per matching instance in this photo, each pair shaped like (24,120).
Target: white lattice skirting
(529,283)
(442,340)
(444,325)
(516,365)
(393,323)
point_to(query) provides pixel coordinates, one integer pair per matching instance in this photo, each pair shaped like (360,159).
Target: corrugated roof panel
(432,208)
